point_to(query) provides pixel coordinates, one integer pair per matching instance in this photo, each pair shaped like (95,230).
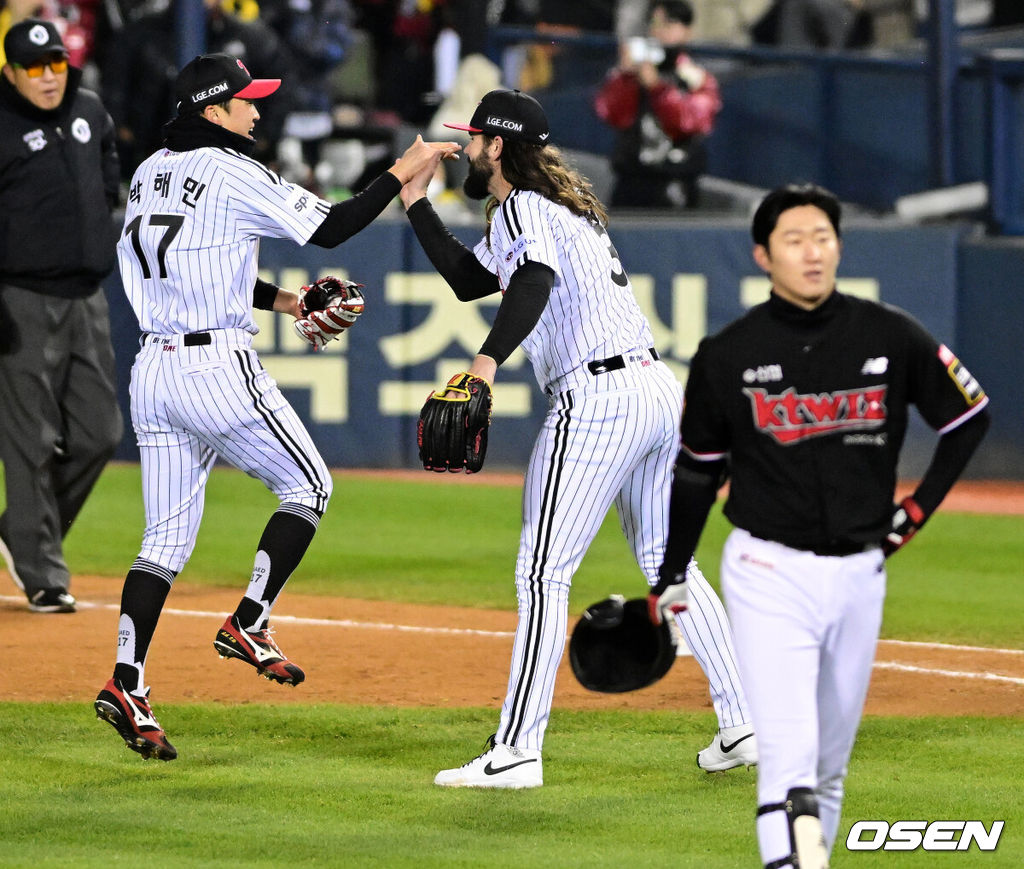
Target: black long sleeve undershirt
(455,262)
(347,218)
(525,299)
(694,489)
(952,453)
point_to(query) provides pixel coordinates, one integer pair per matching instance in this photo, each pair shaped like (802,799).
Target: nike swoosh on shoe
(727,748)
(496,770)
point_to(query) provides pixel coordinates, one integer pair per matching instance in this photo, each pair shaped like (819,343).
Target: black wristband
(264,294)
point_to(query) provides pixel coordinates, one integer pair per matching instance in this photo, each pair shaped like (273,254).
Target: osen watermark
(926,835)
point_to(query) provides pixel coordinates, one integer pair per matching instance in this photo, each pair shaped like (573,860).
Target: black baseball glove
(615,647)
(328,307)
(452,430)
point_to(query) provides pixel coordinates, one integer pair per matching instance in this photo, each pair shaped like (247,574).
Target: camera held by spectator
(664,105)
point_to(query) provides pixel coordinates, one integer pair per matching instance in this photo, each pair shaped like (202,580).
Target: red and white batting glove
(907,518)
(668,597)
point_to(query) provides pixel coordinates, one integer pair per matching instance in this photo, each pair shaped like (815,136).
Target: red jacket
(681,114)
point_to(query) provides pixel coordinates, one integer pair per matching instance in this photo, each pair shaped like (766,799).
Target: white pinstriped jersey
(188,252)
(591,313)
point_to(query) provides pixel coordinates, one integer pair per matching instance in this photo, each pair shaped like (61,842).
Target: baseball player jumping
(188,258)
(806,400)
(611,431)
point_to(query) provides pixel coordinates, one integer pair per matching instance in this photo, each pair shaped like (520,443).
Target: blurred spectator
(835,24)
(139,74)
(1006,13)
(665,106)
(590,15)
(74,20)
(317,33)
(403,34)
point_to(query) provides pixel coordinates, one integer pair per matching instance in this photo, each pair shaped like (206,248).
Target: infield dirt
(411,655)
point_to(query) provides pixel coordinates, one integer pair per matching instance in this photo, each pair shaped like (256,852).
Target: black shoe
(51,600)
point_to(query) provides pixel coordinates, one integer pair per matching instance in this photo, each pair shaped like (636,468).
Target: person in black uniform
(803,402)
(59,419)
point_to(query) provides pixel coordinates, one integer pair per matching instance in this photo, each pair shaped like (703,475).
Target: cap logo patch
(39,35)
(210,92)
(504,123)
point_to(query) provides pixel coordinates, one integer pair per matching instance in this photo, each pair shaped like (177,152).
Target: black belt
(614,363)
(191,339)
(840,548)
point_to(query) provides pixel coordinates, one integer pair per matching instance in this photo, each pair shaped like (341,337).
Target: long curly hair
(542,168)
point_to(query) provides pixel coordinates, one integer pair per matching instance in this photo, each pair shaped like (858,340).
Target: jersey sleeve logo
(299,200)
(517,248)
(792,417)
(961,377)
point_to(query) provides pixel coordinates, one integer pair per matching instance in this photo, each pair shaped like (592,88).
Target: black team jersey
(812,406)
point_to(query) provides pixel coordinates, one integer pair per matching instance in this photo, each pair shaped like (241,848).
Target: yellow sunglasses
(35,70)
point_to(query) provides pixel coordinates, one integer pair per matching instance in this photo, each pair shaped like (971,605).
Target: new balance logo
(878,365)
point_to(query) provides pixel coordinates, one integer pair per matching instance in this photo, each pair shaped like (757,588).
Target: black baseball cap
(29,40)
(216,78)
(509,114)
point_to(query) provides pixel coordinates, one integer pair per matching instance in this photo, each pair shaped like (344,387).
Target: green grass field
(351,786)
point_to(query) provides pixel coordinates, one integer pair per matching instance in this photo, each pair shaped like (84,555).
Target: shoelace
(489,745)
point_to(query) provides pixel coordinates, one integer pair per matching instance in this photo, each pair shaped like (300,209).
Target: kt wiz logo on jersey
(792,417)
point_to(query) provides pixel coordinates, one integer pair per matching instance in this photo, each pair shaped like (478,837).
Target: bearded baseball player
(188,258)
(805,399)
(611,432)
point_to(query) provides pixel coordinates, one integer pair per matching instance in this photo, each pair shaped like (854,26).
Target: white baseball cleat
(731,747)
(500,766)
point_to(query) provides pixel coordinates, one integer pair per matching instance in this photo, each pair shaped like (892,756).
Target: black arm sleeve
(264,294)
(454,261)
(694,489)
(527,295)
(952,453)
(346,218)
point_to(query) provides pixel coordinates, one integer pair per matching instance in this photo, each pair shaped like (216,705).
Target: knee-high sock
(284,542)
(145,590)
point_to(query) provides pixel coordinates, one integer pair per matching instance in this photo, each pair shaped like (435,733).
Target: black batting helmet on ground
(616,648)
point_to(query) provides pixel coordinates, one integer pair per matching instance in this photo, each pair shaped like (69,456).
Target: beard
(479,177)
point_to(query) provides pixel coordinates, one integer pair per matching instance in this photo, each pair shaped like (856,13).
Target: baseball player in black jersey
(803,403)
(188,256)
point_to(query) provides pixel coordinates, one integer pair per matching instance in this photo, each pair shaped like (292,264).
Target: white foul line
(296,620)
(416,629)
(955,674)
(916,644)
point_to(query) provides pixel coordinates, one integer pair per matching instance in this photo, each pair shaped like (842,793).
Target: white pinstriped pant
(607,438)
(191,404)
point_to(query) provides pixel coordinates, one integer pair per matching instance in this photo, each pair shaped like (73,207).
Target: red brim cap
(259,88)
(465,127)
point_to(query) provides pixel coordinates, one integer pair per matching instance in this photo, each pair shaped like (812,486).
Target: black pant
(654,191)
(59,423)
